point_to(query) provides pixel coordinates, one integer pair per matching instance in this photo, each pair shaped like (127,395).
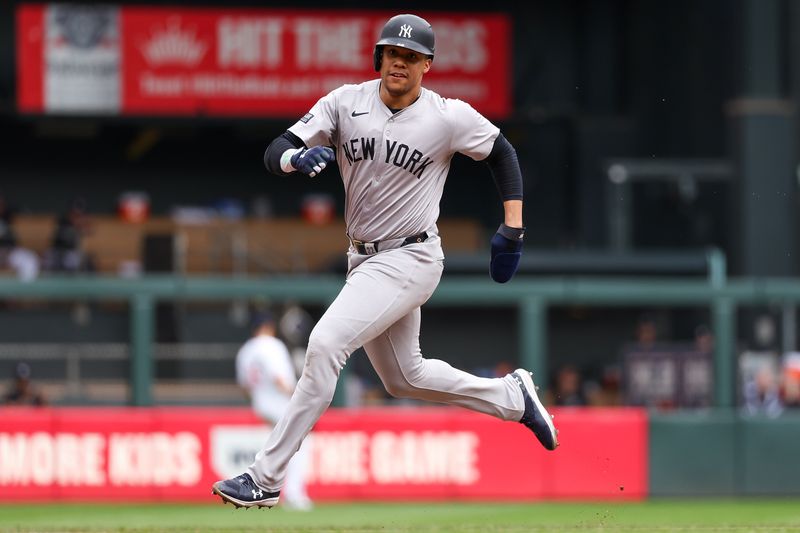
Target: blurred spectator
(790,391)
(8,238)
(697,370)
(606,389)
(65,253)
(568,389)
(762,394)
(646,332)
(790,386)
(651,369)
(22,391)
(703,339)
(23,261)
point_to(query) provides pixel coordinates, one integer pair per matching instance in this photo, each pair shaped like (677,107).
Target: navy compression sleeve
(272,156)
(505,169)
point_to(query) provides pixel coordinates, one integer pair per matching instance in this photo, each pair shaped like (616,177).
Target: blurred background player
(265,371)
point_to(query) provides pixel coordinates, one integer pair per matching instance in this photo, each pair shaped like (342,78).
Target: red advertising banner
(175,454)
(242,62)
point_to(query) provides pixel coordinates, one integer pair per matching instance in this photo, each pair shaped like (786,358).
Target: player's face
(402,70)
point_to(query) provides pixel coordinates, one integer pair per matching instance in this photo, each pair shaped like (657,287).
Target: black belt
(369,248)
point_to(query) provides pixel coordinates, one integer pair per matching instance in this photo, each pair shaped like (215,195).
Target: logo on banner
(173,45)
(81,58)
(84,27)
(233,448)
(405,31)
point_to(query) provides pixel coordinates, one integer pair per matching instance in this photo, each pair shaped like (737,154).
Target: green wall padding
(692,454)
(770,455)
(720,453)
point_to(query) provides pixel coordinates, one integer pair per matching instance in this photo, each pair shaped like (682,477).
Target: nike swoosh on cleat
(354,114)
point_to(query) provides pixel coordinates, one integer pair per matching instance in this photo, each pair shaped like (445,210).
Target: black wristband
(513,234)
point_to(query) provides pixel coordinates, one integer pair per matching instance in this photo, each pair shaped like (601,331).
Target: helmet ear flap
(377,57)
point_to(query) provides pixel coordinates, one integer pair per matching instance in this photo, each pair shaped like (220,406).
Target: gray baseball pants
(379,309)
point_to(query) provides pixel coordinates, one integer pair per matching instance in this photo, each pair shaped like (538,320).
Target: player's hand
(313,160)
(506,252)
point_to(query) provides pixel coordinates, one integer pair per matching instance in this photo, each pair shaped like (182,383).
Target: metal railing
(532,297)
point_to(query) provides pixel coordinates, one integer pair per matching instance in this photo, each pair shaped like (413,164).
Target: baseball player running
(393,141)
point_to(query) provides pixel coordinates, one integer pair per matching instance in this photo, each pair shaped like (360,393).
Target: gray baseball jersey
(394,165)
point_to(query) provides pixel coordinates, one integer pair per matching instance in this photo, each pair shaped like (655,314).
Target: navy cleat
(536,417)
(242,491)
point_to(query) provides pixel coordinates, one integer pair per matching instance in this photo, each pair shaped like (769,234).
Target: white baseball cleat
(536,418)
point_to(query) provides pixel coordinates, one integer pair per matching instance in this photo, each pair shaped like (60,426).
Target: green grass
(749,515)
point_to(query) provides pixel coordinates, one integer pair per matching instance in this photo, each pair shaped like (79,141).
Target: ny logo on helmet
(405,31)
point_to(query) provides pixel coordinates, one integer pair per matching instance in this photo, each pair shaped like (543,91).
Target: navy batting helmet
(408,31)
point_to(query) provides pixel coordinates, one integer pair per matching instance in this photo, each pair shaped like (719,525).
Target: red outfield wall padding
(175,454)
